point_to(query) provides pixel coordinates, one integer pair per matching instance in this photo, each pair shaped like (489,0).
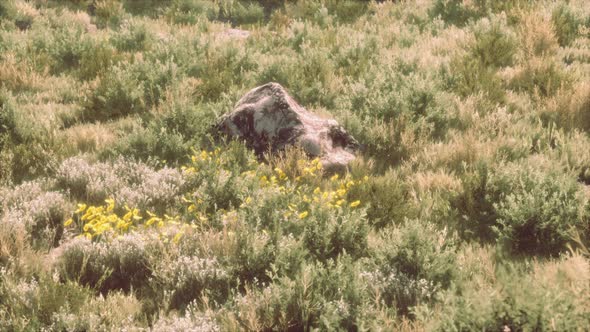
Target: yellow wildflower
(355,204)
(152,220)
(204,155)
(177,237)
(81,208)
(110,204)
(334,177)
(68,222)
(303,214)
(281,174)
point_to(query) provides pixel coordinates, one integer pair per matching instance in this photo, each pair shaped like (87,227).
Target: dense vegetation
(467,210)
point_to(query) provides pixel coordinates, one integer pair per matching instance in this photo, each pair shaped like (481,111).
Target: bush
(535,210)
(96,58)
(134,36)
(541,297)
(123,264)
(541,77)
(130,89)
(109,13)
(537,36)
(475,72)
(387,199)
(413,262)
(154,142)
(239,13)
(570,108)
(460,12)
(116,311)
(566,24)
(330,234)
(495,45)
(39,213)
(453,12)
(528,210)
(190,11)
(189,278)
(475,206)
(324,297)
(33,304)
(128,182)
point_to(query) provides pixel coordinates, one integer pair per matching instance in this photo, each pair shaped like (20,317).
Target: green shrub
(154,142)
(453,12)
(123,264)
(253,258)
(413,262)
(468,76)
(475,72)
(541,77)
(495,45)
(129,89)
(221,70)
(460,12)
(566,24)
(329,235)
(116,311)
(190,11)
(387,199)
(32,304)
(133,36)
(239,13)
(528,210)
(189,278)
(96,59)
(535,210)
(325,297)
(474,206)
(109,13)
(542,297)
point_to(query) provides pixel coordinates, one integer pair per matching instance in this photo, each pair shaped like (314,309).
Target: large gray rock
(268,119)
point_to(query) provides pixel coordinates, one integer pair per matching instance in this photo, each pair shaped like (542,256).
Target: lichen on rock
(267,118)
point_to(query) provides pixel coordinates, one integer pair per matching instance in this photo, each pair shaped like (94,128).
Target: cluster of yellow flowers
(194,207)
(98,222)
(312,169)
(102,221)
(199,157)
(333,197)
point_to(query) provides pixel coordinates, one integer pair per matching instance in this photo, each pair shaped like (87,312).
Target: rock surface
(267,118)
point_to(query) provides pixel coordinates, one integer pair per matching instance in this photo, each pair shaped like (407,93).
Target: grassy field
(468,209)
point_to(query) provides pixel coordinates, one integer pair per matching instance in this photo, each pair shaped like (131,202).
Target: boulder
(267,118)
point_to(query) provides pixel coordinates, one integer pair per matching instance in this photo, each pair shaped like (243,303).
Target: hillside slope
(467,210)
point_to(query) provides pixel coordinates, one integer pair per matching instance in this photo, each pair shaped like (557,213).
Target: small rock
(267,118)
